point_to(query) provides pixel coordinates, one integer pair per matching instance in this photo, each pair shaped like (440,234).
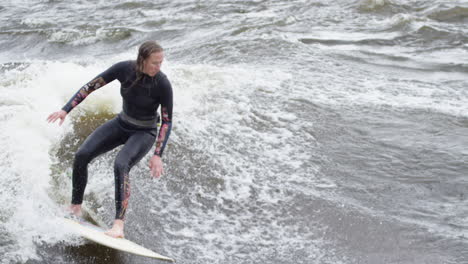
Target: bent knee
(83,155)
(121,166)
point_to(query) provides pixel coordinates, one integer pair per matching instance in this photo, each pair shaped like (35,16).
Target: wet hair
(144,52)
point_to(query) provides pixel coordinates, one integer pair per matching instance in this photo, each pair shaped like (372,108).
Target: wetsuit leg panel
(103,139)
(136,147)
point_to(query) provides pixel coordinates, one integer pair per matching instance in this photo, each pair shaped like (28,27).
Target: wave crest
(453,14)
(79,37)
(371,5)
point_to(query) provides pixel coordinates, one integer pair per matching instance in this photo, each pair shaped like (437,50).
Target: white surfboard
(96,234)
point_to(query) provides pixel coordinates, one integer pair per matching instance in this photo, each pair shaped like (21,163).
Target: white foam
(218,110)
(372,4)
(27,97)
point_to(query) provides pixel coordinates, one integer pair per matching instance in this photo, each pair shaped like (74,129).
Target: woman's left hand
(156,166)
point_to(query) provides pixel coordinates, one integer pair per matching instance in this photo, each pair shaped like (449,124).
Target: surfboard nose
(96,234)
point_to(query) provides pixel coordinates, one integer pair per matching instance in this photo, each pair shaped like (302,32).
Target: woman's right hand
(57,115)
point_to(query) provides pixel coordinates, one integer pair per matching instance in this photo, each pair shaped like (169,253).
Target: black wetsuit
(135,127)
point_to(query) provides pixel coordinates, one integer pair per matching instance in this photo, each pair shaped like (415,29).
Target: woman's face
(152,65)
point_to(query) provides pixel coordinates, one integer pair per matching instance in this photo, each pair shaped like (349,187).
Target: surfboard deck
(96,234)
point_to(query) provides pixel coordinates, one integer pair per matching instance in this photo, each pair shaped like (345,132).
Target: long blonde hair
(144,52)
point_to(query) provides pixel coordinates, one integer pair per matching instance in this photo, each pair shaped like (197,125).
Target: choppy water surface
(304,131)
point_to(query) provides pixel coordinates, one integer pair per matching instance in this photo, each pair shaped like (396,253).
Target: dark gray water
(304,131)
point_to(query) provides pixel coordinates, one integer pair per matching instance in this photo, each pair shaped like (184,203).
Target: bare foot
(117,230)
(75,209)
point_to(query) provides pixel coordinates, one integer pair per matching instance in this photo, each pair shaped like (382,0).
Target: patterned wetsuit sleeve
(102,79)
(166,113)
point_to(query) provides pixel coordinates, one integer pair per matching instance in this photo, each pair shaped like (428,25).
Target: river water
(304,131)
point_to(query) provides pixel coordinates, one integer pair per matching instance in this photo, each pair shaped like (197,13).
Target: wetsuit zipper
(149,86)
